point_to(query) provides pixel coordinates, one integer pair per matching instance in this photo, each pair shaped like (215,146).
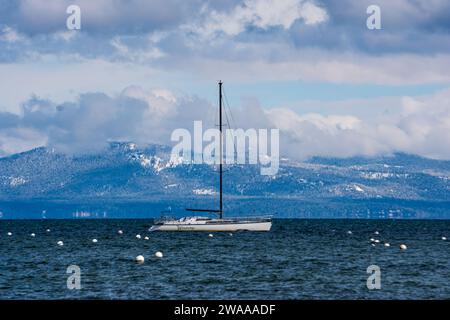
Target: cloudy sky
(138,69)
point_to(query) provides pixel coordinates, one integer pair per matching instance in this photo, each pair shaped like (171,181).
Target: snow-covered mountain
(127,173)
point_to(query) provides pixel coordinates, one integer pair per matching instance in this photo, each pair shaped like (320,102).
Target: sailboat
(213,224)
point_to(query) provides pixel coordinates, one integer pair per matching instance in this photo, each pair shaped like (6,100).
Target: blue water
(298,259)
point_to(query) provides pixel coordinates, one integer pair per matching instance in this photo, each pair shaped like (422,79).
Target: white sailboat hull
(215,227)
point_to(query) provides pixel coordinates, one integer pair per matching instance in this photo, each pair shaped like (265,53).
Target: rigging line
(227,110)
(214,165)
(227,104)
(214,125)
(231,114)
(226,117)
(232,123)
(229,132)
(229,123)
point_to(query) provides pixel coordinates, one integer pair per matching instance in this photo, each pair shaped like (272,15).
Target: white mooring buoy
(210,235)
(376,241)
(60,243)
(9,233)
(376,232)
(139,259)
(138,236)
(120,232)
(387,244)
(48,230)
(372,239)
(158,254)
(444,238)
(349,232)
(33,235)
(94,240)
(403,247)
(146,238)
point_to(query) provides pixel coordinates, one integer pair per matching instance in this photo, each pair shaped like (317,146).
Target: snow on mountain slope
(125,170)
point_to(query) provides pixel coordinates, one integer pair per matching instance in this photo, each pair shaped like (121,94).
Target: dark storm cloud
(407,27)
(29,29)
(114,16)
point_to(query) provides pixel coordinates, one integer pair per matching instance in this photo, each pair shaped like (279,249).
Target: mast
(220,211)
(221,156)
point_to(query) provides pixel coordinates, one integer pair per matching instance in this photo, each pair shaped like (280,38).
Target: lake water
(298,259)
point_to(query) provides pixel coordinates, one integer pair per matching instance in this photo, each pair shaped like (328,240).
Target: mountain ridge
(126,173)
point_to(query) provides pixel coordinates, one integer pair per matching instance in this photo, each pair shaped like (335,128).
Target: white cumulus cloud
(259,13)
(420,125)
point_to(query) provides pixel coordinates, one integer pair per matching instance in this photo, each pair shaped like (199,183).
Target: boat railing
(250,218)
(163,219)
